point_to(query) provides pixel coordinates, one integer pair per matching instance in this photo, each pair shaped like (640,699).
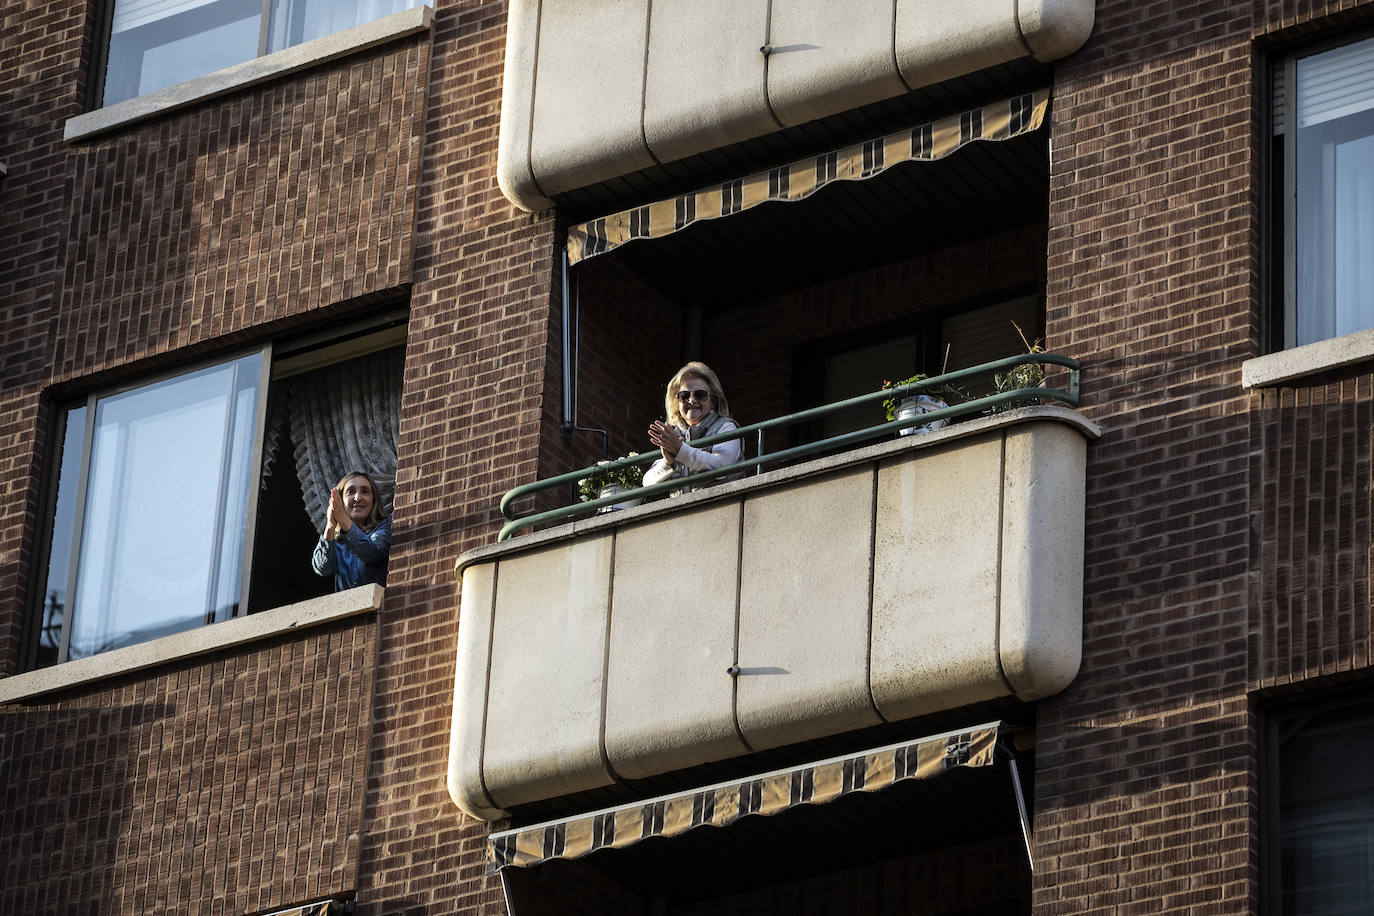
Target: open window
(195,497)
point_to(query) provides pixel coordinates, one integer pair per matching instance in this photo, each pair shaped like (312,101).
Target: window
(159,43)
(857,363)
(1320,808)
(178,498)
(1323,172)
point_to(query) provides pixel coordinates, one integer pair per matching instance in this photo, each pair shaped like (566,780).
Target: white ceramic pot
(914,407)
(611,490)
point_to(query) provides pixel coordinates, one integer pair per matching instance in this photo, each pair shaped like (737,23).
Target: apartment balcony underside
(982,190)
(603,93)
(887,583)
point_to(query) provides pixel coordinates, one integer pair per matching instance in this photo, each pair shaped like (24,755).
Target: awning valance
(723,804)
(321,908)
(798,180)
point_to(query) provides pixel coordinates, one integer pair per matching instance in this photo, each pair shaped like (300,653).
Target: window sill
(192,643)
(1309,359)
(251,72)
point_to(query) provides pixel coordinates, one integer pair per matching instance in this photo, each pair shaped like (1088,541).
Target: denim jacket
(356,558)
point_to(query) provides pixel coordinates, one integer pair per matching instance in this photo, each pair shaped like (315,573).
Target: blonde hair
(374,517)
(694,370)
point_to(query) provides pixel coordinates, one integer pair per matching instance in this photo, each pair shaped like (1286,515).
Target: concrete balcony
(602,88)
(895,580)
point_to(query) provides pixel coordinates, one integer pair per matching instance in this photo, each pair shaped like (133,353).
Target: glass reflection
(166,507)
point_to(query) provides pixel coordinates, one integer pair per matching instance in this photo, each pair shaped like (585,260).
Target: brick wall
(1146,766)
(232,785)
(1311,480)
(481,312)
(631,345)
(45,46)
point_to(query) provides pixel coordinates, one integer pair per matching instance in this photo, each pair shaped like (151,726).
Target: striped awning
(799,180)
(321,908)
(723,804)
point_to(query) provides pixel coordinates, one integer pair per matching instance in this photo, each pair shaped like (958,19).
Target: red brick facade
(236,783)
(1228,549)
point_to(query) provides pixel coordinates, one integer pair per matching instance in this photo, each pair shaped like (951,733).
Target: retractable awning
(320,908)
(725,803)
(798,180)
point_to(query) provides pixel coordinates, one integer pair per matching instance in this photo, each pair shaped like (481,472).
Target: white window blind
(1336,83)
(130,14)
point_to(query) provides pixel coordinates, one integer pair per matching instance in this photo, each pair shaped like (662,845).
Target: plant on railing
(892,403)
(924,401)
(968,406)
(1026,375)
(627,478)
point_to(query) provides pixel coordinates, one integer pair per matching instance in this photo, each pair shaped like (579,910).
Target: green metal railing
(1004,399)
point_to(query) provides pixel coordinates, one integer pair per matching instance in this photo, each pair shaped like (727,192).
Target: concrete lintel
(1309,359)
(250,72)
(200,641)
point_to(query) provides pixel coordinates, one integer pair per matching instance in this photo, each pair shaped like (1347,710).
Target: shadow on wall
(69,811)
(237,780)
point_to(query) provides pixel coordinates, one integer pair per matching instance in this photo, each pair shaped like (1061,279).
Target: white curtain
(346,417)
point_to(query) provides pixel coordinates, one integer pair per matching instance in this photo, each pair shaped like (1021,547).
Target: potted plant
(610,481)
(904,408)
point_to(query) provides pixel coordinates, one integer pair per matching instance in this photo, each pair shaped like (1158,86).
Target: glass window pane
(1334,169)
(60,549)
(159,43)
(296,21)
(165,511)
(1326,816)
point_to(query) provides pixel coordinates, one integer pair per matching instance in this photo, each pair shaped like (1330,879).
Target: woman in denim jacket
(356,539)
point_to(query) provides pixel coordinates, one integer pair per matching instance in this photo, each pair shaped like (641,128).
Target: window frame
(1279,320)
(103,20)
(57,437)
(100,59)
(1280,722)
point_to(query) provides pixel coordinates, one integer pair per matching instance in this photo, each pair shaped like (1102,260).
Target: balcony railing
(1001,400)
(896,579)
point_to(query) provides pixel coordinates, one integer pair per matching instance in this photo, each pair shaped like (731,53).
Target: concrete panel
(543,735)
(1308,359)
(470,694)
(936,579)
(941,39)
(1055,28)
(589,93)
(705,83)
(803,631)
(1042,558)
(513,171)
(669,699)
(830,57)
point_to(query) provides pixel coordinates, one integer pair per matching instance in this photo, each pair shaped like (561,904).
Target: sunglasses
(699,394)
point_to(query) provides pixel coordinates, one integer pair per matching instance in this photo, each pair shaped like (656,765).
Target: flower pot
(914,407)
(611,490)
